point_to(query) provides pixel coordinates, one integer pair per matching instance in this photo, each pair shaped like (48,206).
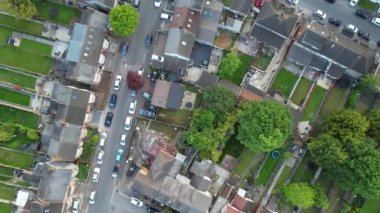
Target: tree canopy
(370,83)
(229,64)
(124,20)
(219,100)
(374,125)
(263,126)
(134,81)
(346,125)
(299,194)
(20,8)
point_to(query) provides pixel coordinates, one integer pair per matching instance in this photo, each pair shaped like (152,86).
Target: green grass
(6,208)
(15,116)
(335,101)
(262,61)
(35,47)
(65,14)
(368,5)
(15,57)
(284,82)
(6,171)
(267,170)
(301,91)
(5,33)
(21,24)
(15,158)
(17,79)
(14,97)
(165,129)
(89,145)
(303,174)
(244,162)
(83,172)
(7,192)
(238,76)
(370,206)
(179,117)
(283,177)
(313,104)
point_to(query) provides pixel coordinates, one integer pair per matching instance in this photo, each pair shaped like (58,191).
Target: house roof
(192,4)
(181,43)
(76,42)
(208,25)
(274,24)
(176,93)
(335,71)
(167,94)
(161,166)
(60,151)
(239,202)
(206,80)
(174,64)
(200,183)
(185,18)
(67,133)
(242,6)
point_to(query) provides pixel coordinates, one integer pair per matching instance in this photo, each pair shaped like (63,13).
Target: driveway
(343,11)
(109,198)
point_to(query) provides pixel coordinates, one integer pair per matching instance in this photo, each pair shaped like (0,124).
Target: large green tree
(19,8)
(299,194)
(124,20)
(229,64)
(346,125)
(374,125)
(219,100)
(263,126)
(370,83)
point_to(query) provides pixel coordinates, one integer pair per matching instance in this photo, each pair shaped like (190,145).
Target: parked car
(157,3)
(92,197)
(131,170)
(157,58)
(335,21)
(153,77)
(136,202)
(351,28)
(151,210)
(115,170)
(119,154)
(147,114)
(123,138)
(108,121)
(133,93)
(112,102)
(259,3)
(130,159)
(141,71)
(366,36)
(117,82)
(376,21)
(319,13)
(147,96)
(353,3)
(76,205)
(128,123)
(166,16)
(124,49)
(331,1)
(149,40)
(100,157)
(362,13)
(132,107)
(96,174)
(103,137)
(149,106)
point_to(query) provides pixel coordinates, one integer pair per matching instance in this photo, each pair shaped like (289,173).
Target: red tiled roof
(231,209)
(239,202)
(185,18)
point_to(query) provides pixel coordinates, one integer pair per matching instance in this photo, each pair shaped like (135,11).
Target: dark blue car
(112,102)
(124,49)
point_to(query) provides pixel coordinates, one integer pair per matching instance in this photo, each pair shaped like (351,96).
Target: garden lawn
(6,171)
(89,145)
(370,206)
(303,174)
(244,162)
(17,79)
(64,14)
(15,57)
(179,117)
(368,5)
(313,104)
(165,129)
(335,101)
(35,47)
(7,192)
(267,170)
(284,176)
(15,158)
(6,208)
(83,172)
(14,97)
(5,33)
(21,24)
(262,61)
(246,61)
(301,91)
(284,82)
(11,115)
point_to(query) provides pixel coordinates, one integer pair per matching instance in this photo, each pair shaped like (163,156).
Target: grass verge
(15,158)
(21,24)
(17,79)
(284,82)
(14,97)
(314,103)
(83,172)
(301,91)
(55,12)
(89,145)
(35,47)
(15,116)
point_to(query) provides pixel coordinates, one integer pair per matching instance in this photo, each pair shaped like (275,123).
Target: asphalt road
(138,55)
(343,11)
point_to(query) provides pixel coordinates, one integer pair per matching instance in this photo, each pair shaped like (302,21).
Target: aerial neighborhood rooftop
(190,106)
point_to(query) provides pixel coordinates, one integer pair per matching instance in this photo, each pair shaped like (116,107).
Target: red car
(259,3)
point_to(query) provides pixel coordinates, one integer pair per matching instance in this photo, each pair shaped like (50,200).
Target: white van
(92,197)
(128,123)
(166,16)
(75,206)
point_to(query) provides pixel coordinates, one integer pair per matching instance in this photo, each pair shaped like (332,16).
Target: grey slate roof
(335,71)
(242,6)
(60,151)
(168,94)
(208,25)
(175,97)
(200,183)
(318,63)
(193,4)
(76,42)
(274,24)
(181,43)
(300,54)
(206,80)
(174,64)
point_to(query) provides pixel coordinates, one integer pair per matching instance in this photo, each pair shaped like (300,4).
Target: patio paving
(247,45)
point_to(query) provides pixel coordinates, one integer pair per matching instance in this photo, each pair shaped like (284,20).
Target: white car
(376,21)
(100,157)
(293,1)
(141,71)
(122,139)
(128,123)
(157,3)
(103,137)
(353,3)
(136,202)
(130,159)
(75,206)
(157,58)
(117,82)
(351,28)
(320,14)
(92,197)
(132,107)
(95,175)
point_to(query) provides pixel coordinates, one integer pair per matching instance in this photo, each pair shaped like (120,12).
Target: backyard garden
(301,91)
(17,79)
(335,100)
(14,97)
(284,82)
(245,63)
(56,12)
(89,147)
(23,25)
(313,104)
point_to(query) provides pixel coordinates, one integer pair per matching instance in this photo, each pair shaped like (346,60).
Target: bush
(353,99)
(6,132)
(32,134)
